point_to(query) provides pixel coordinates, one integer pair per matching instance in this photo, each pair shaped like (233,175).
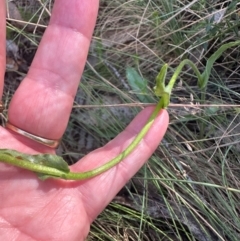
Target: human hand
(31,209)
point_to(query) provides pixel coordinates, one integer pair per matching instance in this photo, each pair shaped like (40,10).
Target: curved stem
(31,166)
(179,69)
(53,172)
(160,90)
(125,153)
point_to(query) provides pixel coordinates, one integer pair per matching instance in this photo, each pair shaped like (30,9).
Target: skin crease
(59,210)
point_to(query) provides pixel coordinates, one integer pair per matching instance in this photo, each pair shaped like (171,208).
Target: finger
(43,102)
(2,44)
(9,140)
(99,191)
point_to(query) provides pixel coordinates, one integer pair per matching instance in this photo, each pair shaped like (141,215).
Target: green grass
(195,170)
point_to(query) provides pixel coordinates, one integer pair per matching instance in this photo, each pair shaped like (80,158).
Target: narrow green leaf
(160,87)
(212,59)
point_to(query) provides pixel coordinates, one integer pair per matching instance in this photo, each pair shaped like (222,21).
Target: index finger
(97,192)
(43,102)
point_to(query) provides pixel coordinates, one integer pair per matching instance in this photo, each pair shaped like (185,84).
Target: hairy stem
(53,172)
(60,169)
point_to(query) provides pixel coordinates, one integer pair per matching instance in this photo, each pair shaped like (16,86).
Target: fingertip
(111,181)
(164,120)
(140,120)
(165,115)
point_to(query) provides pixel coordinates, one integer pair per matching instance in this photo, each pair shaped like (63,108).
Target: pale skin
(31,209)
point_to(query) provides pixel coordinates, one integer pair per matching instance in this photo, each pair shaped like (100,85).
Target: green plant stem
(202,124)
(160,90)
(179,69)
(53,172)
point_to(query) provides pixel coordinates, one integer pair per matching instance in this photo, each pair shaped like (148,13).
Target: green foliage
(47,160)
(41,163)
(138,85)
